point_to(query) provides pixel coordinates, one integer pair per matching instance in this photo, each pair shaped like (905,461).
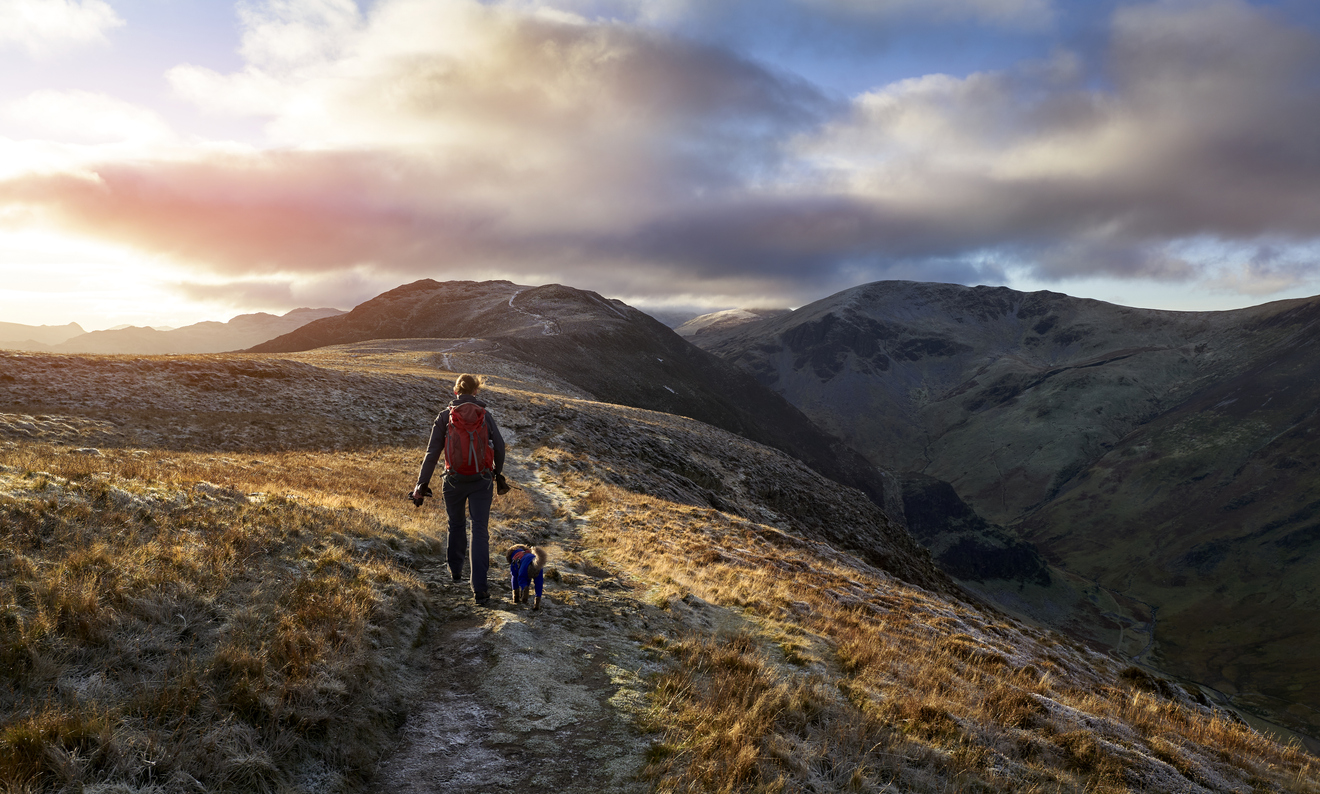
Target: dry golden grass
(155,631)
(845,679)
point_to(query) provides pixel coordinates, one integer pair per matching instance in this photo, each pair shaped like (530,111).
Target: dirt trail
(516,698)
(548,326)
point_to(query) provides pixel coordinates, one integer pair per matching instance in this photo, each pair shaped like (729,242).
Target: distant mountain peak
(726,320)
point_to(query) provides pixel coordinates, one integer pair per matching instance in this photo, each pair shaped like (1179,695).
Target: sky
(164,162)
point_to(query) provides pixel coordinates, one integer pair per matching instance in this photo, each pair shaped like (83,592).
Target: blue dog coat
(520,567)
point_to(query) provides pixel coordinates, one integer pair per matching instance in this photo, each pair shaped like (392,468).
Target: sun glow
(94,283)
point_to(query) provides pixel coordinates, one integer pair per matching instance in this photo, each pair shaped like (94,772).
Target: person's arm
(434,449)
(497,441)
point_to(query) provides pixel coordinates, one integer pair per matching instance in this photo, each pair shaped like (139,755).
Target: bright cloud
(42,26)
(85,117)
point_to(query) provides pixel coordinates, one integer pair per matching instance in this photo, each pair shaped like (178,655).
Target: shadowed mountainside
(606,348)
(1170,457)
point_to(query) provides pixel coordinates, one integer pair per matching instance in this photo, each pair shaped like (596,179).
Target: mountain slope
(722,322)
(198,610)
(1165,455)
(604,347)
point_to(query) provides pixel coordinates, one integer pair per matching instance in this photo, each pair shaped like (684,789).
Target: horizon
(165,163)
(657,313)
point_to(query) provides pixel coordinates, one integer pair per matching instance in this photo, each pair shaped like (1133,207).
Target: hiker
(474,464)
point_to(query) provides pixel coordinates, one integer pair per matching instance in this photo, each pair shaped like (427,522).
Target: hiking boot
(482,599)
(459,577)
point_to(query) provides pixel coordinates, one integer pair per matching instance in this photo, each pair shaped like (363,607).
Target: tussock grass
(912,690)
(241,622)
(156,632)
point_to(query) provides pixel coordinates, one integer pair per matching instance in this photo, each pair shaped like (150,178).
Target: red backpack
(468,450)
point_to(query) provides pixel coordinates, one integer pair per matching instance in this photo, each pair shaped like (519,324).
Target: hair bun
(467,384)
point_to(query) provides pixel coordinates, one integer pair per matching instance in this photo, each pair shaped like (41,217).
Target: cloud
(344,290)
(1012,12)
(44,26)
(680,13)
(86,117)
(1084,180)
(1268,270)
(545,143)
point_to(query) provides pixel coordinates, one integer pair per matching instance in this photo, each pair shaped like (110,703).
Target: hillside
(238,598)
(604,348)
(1164,456)
(724,321)
(16,336)
(238,333)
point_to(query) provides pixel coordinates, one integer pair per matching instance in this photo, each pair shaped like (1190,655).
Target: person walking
(466,433)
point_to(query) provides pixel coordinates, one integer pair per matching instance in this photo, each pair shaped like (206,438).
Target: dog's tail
(541,557)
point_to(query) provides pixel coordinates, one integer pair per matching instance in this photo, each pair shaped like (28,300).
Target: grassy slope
(1167,457)
(161,634)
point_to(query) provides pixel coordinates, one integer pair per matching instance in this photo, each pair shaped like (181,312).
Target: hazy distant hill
(15,336)
(718,322)
(604,347)
(241,332)
(1170,456)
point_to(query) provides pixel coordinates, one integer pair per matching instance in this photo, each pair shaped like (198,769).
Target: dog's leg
(537,603)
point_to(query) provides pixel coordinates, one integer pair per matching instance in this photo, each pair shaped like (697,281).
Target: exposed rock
(965,545)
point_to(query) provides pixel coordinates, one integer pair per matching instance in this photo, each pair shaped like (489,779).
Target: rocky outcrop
(965,545)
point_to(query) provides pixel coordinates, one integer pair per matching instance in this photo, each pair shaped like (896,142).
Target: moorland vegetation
(271,616)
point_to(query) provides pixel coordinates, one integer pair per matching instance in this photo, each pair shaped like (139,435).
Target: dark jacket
(436,447)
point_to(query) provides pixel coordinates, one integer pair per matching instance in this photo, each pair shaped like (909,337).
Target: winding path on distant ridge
(548,327)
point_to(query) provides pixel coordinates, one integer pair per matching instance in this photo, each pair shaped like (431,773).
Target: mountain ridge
(610,350)
(240,331)
(16,336)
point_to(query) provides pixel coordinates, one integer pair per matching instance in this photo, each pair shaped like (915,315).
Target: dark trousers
(476,496)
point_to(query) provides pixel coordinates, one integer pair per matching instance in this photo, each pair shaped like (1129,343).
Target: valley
(1167,458)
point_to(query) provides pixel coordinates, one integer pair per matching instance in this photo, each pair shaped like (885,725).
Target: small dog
(526,564)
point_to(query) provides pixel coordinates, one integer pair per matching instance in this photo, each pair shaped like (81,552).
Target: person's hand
(419,494)
(501,485)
